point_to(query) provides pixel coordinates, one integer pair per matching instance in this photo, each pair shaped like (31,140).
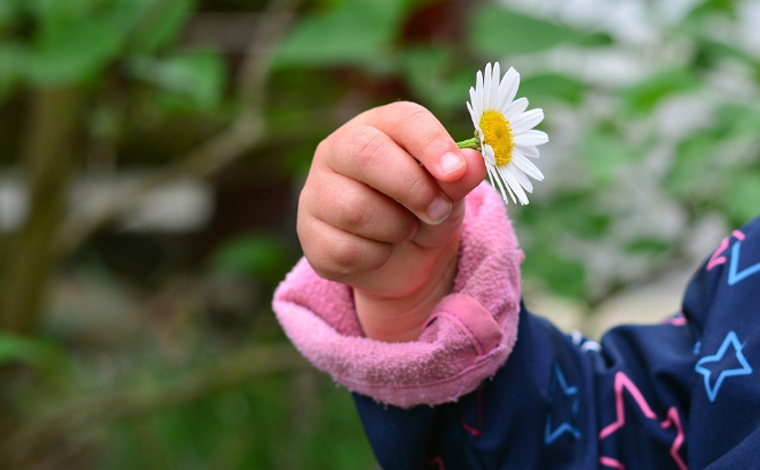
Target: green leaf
(261,256)
(161,25)
(648,246)
(644,96)
(496,31)
(553,85)
(604,154)
(744,197)
(710,8)
(11,58)
(562,276)
(434,77)
(738,120)
(69,54)
(695,173)
(195,76)
(357,32)
(570,212)
(9,13)
(14,348)
(76,39)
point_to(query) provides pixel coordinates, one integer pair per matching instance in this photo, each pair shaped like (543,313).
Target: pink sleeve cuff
(469,334)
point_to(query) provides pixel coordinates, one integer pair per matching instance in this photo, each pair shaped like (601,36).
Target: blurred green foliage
(260,256)
(653,143)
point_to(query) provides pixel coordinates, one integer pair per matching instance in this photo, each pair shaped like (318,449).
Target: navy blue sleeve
(678,395)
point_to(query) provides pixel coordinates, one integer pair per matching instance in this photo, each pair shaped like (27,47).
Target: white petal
(488,154)
(529,151)
(515,109)
(527,121)
(527,166)
(509,85)
(521,177)
(504,185)
(496,182)
(478,90)
(487,78)
(512,183)
(475,101)
(532,137)
(472,114)
(480,133)
(493,93)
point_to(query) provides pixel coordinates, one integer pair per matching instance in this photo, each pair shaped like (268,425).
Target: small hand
(381,211)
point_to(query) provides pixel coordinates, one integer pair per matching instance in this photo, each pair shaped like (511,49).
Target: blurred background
(151,156)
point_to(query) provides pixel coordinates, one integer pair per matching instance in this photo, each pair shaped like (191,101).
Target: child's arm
(374,269)
(664,396)
(679,395)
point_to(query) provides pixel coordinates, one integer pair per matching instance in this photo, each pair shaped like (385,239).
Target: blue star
(745,369)
(566,427)
(734,275)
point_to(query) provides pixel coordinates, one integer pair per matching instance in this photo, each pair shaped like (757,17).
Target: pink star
(623,382)
(716,259)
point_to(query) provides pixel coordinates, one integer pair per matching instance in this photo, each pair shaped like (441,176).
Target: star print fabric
(680,395)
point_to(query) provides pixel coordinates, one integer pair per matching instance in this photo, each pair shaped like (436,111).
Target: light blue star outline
(745,369)
(550,436)
(735,277)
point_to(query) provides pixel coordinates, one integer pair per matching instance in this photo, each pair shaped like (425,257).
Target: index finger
(417,131)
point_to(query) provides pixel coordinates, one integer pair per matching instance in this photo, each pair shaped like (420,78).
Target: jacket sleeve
(511,391)
(676,395)
(467,337)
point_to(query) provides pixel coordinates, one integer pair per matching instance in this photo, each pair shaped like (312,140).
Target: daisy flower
(504,132)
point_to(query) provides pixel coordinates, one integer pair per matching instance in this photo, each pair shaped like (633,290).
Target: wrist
(400,319)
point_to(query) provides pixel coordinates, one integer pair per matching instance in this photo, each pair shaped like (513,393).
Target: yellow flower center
(497,134)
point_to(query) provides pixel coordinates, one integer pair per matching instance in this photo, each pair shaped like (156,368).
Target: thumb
(436,236)
(474,173)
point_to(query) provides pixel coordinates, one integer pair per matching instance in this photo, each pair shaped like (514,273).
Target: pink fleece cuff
(468,336)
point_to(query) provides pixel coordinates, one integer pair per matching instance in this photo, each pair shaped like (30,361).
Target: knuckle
(346,258)
(322,148)
(413,114)
(355,215)
(435,141)
(420,191)
(366,145)
(352,259)
(336,261)
(430,136)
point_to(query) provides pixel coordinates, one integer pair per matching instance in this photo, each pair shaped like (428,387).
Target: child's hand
(381,211)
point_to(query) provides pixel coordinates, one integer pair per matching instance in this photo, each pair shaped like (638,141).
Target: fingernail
(450,162)
(439,210)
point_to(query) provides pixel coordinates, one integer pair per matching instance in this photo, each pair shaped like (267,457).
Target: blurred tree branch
(48,235)
(245,133)
(53,123)
(231,371)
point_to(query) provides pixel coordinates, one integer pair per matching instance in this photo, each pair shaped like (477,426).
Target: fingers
(336,254)
(474,174)
(391,175)
(415,130)
(368,155)
(419,133)
(356,208)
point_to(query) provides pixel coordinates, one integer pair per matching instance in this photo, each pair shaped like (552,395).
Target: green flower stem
(473,143)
